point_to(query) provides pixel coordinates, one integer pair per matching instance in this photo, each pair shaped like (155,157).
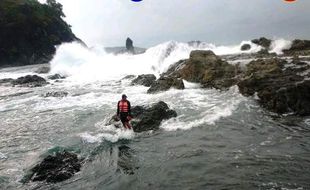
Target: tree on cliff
(29,31)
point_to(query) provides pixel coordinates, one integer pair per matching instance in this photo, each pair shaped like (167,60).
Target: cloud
(150,22)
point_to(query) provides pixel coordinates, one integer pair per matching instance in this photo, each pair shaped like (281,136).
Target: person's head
(124,97)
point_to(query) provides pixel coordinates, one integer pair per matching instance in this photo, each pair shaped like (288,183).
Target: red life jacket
(123,106)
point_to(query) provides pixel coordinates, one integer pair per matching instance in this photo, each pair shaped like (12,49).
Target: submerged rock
(30,81)
(56,168)
(279,89)
(147,118)
(145,80)
(165,83)
(58,94)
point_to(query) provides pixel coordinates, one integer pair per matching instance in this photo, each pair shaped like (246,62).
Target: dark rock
(206,68)
(279,90)
(58,94)
(56,76)
(145,80)
(129,45)
(129,77)
(56,168)
(30,81)
(298,45)
(126,160)
(165,83)
(151,117)
(45,69)
(147,118)
(6,80)
(245,47)
(264,42)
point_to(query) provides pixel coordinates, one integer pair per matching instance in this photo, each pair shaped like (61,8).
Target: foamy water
(216,135)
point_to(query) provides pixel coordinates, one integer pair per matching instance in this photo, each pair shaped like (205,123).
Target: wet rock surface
(59,94)
(206,68)
(147,118)
(145,80)
(56,168)
(56,76)
(279,88)
(264,42)
(30,81)
(165,83)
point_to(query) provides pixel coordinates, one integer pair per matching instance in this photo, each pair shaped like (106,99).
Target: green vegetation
(30,30)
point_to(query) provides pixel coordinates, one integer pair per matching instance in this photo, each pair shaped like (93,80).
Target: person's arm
(117,109)
(129,109)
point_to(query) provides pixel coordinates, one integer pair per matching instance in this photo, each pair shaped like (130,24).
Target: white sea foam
(111,135)
(87,65)
(277,46)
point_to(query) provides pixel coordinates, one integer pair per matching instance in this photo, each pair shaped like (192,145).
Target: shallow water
(220,140)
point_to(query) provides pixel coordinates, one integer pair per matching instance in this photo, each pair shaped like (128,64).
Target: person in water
(124,112)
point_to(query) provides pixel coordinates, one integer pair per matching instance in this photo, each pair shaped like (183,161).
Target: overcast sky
(150,22)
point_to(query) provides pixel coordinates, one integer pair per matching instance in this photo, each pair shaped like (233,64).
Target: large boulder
(55,168)
(165,83)
(30,81)
(280,89)
(264,42)
(145,80)
(206,68)
(147,118)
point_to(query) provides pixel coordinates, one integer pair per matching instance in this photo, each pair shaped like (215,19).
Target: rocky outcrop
(165,83)
(58,94)
(299,47)
(206,68)
(55,168)
(280,89)
(29,81)
(245,47)
(147,118)
(30,31)
(145,80)
(129,45)
(264,42)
